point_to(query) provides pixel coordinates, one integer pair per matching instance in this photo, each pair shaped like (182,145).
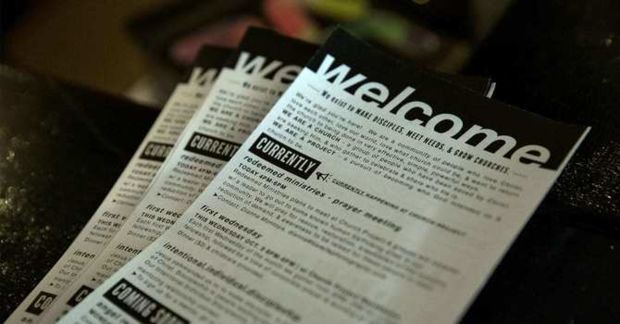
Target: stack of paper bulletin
(290,183)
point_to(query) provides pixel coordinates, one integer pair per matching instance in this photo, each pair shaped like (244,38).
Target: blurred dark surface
(561,59)
(557,58)
(61,149)
(10,12)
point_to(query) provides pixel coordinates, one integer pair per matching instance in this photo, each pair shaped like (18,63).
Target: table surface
(61,149)
(561,59)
